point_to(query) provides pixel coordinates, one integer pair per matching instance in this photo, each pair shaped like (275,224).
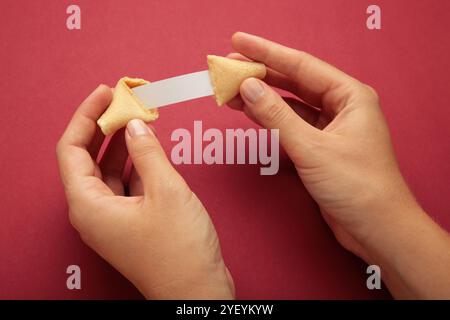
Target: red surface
(272,235)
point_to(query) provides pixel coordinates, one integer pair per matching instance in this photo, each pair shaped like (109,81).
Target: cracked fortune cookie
(226,77)
(125,106)
(228,74)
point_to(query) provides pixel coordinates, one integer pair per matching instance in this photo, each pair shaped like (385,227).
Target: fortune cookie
(226,78)
(124,107)
(228,74)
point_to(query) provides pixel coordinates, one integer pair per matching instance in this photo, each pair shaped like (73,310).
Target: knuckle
(301,54)
(370,92)
(147,150)
(173,188)
(275,113)
(171,191)
(300,58)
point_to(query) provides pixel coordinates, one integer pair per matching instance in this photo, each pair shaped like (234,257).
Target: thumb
(148,157)
(267,107)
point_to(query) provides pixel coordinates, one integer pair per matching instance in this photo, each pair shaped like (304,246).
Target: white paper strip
(173,90)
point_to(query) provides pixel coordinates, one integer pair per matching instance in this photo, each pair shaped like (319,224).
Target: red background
(272,235)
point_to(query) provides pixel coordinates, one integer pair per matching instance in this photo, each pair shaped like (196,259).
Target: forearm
(413,253)
(208,284)
(179,291)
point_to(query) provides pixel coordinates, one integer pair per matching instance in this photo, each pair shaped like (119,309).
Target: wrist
(391,221)
(412,252)
(387,210)
(215,286)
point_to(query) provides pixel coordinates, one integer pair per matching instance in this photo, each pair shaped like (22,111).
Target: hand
(160,237)
(336,136)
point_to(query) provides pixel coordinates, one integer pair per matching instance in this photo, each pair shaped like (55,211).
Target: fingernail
(137,127)
(252,90)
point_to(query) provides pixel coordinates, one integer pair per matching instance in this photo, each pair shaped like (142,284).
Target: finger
(306,112)
(238,104)
(82,127)
(97,141)
(113,162)
(273,78)
(317,82)
(149,158)
(237,56)
(72,150)
(135,184)
(95,145)
(272,112)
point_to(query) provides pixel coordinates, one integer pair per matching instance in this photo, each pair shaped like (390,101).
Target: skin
(161,237)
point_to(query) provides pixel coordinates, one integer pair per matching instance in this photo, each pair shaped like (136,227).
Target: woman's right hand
(336,136)
(338,139)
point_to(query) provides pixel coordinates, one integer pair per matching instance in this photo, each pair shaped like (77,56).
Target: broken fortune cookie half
(228,74)
(124,107)
(226,77)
